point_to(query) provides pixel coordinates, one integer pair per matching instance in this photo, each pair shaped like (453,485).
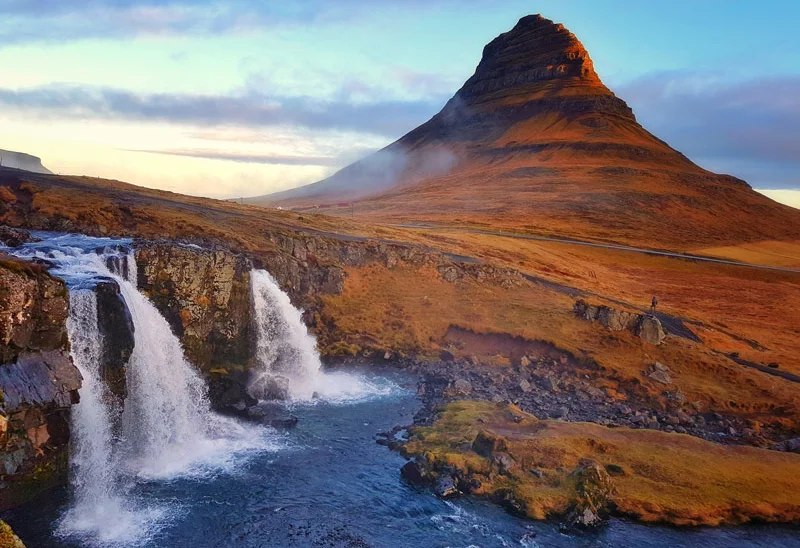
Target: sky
(230,98)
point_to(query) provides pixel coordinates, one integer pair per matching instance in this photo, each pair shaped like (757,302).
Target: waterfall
(286,352)
(166,413)
(288,363)
(166,428)
(92,460)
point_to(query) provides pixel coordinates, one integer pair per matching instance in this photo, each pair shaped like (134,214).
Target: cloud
(745,127)
(390,118)
(65,20)
(784,196)
(249,158)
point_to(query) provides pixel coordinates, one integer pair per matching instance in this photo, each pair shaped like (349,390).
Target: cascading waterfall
(285,350)
(166,413)
(167,428)
(289,365)
(92,459)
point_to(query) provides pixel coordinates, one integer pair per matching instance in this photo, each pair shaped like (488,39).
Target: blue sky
(234,98)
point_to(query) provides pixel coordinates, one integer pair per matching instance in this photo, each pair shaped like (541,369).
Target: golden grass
(770,252)
(410,310)
(670,478)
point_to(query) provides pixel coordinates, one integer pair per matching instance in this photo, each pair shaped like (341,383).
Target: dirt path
(604,246)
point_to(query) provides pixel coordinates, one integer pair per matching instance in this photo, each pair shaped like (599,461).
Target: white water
(287,353)
(166,411)
(284,347)
(99,507)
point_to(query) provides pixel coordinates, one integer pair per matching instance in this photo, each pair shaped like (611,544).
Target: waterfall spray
(288,361)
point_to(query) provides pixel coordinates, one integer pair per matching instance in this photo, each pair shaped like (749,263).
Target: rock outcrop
(38,381)
(205,296)
(117,331)
(645,326)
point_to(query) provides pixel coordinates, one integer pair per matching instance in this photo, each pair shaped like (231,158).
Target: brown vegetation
(654,476)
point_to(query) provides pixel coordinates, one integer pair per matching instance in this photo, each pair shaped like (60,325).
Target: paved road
(606,246)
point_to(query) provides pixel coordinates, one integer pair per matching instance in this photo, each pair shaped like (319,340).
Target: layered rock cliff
(38,380)
(20,160)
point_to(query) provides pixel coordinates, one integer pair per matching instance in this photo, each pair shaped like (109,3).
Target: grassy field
(656,477)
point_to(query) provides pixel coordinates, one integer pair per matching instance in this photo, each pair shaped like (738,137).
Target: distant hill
(20,160)
(534,141)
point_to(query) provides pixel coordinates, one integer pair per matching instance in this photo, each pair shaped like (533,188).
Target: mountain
(20,160)
(535,142)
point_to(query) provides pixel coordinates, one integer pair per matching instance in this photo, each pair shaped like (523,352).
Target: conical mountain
(534,141)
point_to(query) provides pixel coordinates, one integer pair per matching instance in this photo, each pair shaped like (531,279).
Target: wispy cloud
(249,158)
(744,124)
(388,117)
(66,20)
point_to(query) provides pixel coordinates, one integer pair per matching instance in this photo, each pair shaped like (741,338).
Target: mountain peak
(536,59)
(535,141)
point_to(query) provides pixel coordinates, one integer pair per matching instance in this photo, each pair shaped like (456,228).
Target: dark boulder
(227,391)
(413,473)
(14,237)
(486,444)
(115,324)
(271,414)
(446,488)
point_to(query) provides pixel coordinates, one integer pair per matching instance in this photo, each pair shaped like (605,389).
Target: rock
(272,415)
(205,296)
(38,381)
(524,361)
(525,386)
(227,391)
(446,356)
(116,328)
(446,488)
(789,446)
(615,470)
(504,463)
(645,326)
(659,373)
(413,473)
(459,388)
(550,383)
(387,355)
(7,537)
(14,237)
(269,388)
(486,444)
(650,330)
(537,473)
(595,492)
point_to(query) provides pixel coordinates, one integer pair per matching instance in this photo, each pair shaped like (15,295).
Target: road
(605,246)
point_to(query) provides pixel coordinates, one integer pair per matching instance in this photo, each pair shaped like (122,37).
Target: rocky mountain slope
(536,142)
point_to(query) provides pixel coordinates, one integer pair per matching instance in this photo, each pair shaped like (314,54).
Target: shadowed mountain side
(535,142)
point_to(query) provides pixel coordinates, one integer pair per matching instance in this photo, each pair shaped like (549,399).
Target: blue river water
(327,483)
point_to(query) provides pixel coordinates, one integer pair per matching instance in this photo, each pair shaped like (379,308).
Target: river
(327,483)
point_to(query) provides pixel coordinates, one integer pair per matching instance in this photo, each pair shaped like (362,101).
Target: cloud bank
(747,127)
(382,117)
